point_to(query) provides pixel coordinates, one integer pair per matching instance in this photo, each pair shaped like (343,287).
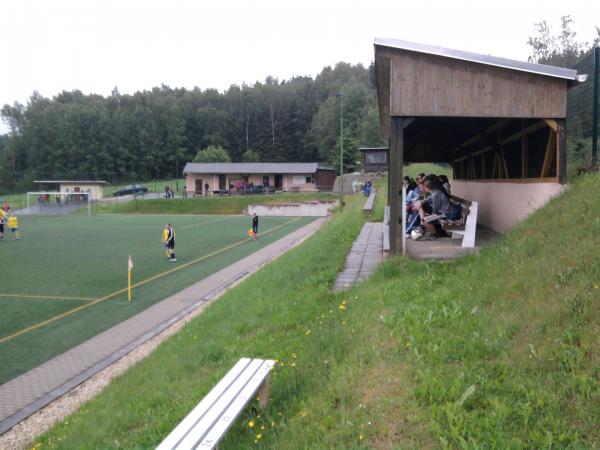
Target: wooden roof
(415,80)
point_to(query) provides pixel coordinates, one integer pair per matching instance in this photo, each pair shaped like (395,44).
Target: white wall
(307,209)
(502,205)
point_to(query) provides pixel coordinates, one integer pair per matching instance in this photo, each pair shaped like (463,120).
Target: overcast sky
(95,45)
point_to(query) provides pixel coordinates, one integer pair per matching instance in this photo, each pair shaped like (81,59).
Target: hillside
(497,350)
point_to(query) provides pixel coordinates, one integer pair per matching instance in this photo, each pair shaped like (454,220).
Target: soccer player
(13,224)
(169,241)
(255,226)
(2,220)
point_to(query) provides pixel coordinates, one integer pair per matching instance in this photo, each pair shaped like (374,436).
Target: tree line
(152,134)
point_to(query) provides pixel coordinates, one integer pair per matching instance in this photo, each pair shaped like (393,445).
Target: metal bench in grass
(208,422)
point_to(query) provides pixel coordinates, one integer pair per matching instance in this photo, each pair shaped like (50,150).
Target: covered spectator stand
(499,123)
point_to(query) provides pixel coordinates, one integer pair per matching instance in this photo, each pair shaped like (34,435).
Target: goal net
(54,202)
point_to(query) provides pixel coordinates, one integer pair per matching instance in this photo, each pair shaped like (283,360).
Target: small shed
(375,159)
(94,187)
(499,123)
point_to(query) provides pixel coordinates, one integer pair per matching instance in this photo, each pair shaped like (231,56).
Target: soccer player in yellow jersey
(2,220)
(169,241)
(13,225)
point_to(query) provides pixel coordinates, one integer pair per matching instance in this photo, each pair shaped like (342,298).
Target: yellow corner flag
(129,267)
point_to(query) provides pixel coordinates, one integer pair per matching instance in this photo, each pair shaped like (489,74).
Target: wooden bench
(465,227)
(368,208)
(206,424)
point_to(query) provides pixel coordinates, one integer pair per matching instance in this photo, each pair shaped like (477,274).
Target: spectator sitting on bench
(412,205)
(432,209)
(443,179)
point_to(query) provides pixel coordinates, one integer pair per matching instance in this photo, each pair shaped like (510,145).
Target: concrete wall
(306,209)
(502,205)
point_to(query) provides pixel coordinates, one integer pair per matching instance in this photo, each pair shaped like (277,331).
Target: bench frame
(208,422)
(468,226)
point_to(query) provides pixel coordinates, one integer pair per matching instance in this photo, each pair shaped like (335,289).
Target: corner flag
(129,267)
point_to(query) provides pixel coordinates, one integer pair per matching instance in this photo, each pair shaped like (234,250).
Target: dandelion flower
(262,427)
(251,423)
(258,436)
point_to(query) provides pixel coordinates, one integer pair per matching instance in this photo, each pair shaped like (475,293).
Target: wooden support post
(395,174)
(550,150)
(524,153)
(561,151)
(263,393)
(495,165)
(504,165)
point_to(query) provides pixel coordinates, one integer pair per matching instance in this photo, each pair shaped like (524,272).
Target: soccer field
(66,281)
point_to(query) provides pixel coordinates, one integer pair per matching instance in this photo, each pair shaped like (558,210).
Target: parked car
(131,189)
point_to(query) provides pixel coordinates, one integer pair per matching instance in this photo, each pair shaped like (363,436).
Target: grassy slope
(207,205)
(497,350)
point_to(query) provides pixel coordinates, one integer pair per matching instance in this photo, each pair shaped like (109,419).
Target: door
(198,190)
(222,183)
(278,181)
(77,189)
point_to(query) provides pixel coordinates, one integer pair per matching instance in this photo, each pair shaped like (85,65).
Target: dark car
(131,189)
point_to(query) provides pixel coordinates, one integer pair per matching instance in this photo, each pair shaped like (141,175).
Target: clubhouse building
(226,178)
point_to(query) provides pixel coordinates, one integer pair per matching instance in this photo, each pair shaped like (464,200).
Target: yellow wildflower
(251,423)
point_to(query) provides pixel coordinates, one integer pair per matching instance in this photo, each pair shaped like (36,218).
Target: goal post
(57,202)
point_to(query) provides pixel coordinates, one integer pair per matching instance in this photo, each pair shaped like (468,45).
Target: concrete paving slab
(366,253)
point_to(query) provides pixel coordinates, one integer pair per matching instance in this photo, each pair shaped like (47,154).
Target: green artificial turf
(86,257)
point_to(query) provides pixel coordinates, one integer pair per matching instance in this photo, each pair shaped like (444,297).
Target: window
(309,180)
(298,180)
(377,158)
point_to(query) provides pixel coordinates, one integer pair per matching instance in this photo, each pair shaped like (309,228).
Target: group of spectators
(428,202)
(169,192)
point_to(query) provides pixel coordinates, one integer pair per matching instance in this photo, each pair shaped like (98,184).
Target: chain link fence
(583,119)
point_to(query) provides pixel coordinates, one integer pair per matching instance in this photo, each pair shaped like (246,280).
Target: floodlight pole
(339,94)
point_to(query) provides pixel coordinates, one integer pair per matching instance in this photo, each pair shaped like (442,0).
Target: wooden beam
(480,135)
(395,173)
(524,153)
(504,166)
(550,150)
(407,122)
(552,124)
(530,129)
(561,151)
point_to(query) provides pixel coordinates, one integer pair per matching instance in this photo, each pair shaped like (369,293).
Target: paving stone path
(366,254)
(31,391)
